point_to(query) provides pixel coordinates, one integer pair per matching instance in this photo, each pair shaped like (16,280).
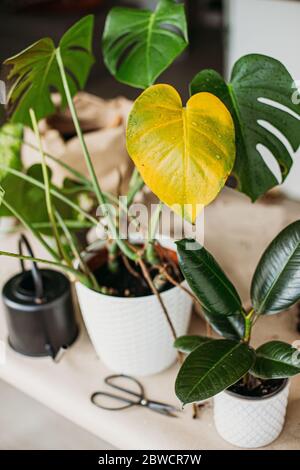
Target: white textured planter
(131,335)
(250,422)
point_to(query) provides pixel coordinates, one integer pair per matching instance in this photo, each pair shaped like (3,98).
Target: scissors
(141,400)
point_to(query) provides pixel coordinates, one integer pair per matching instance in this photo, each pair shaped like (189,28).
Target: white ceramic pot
(131,335)
(249,422)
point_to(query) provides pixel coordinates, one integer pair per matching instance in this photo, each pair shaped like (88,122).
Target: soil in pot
(256,388)
(128,280)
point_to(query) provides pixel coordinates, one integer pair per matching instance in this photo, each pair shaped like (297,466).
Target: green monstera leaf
(35,72)
(138,45)
(259,97)
(276,282)
(276,360)
(211,368)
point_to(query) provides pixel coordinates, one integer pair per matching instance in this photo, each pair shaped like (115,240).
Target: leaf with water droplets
(260,91)
(176,149)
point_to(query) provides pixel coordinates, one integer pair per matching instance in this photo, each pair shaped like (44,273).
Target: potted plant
(123,292)
(250,386)
(131,295)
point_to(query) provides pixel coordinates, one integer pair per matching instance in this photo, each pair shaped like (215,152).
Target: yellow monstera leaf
(183,154)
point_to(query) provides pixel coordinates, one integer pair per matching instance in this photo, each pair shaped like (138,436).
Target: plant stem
(29,227)
(86,182)
(96,186)
(178,284)
(81,277)
(248,325)
(75,251)
(70,224)
(113,251)
(53,191)
(60,162)
(135,185)
(47,185)
(99,194)
(155,292)
(151,256)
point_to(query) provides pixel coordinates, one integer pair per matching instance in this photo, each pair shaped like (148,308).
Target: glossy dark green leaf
(276,281)
(212,368)
(230,327)
(255,77)
(187,344)
(207,280)
(138,45)
(35,72)
(276,360)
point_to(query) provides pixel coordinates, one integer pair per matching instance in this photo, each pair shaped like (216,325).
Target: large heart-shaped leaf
(35,72)
(276,360)
(207,280)
(276,281)
(230,327)
(257,83)
(183,154)
(187,344)
(138,45)
(211,368)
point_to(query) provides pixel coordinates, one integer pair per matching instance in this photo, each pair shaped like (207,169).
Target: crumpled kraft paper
(103,123)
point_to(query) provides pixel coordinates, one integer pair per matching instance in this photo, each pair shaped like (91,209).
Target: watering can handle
(36,274)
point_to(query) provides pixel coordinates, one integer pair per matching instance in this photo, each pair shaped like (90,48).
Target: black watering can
(39,310)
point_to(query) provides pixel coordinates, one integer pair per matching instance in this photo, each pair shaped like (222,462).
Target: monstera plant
(184,153)
(257,85)
(138,45)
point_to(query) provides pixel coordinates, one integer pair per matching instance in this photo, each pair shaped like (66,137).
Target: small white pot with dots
(251,422)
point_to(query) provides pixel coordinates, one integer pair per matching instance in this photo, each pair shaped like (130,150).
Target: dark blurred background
(220,32)
(22,22)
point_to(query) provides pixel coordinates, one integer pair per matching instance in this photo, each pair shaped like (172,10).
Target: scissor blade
(167,410)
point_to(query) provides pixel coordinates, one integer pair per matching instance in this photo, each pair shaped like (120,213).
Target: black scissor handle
(36,275)
(110,381)
(159,407)
(128,403)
